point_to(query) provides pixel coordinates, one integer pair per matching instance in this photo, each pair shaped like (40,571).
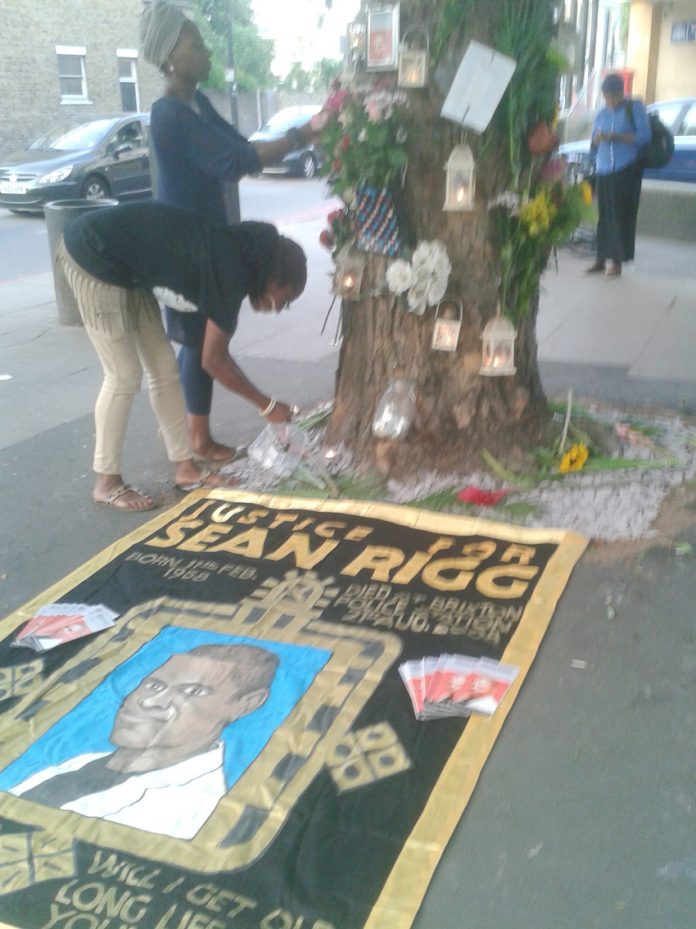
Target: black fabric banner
(239,750)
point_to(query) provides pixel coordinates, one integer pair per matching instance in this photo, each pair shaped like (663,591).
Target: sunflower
(574,459)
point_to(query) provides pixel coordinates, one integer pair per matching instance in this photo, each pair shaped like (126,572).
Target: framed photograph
(382,38)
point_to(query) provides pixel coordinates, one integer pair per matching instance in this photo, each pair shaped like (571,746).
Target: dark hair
(289,265)
(613,84)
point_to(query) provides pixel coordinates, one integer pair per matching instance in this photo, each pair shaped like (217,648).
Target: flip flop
(216,462)
(119,492)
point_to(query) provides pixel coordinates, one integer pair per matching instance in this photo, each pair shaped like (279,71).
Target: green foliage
(252,54)
(452,20)
(526,229)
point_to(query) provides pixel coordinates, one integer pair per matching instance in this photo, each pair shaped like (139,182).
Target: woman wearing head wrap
(196,152)
(117,262)
(619,132)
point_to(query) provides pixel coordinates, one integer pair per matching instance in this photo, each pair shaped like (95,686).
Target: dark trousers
(618,197)
(189,330)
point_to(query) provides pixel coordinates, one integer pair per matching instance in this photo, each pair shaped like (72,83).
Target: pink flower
(334,215)
(336,98)
(479,497)
(326,239)
(373,110)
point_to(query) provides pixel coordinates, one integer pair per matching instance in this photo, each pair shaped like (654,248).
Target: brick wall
(29,65)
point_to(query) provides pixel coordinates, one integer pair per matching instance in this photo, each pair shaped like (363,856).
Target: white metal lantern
(413,62)
(498,356)
(448,324)
(348,277)
(461,179)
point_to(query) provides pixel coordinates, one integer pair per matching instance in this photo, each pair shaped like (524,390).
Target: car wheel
(308,166)
(94,188)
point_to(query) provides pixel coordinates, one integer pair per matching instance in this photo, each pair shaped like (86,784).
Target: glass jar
(395,411)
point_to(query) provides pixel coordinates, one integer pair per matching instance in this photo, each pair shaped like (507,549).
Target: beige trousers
(125,327)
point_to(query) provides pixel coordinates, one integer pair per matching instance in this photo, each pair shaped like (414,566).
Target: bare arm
(270,152)
(221,366)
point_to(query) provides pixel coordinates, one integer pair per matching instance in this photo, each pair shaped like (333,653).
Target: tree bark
(459,412)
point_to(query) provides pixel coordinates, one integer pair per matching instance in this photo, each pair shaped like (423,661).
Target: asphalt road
(24,248)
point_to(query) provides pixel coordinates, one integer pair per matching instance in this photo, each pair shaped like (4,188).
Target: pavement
(585,813)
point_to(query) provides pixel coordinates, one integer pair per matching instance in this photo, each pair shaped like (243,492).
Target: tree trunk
(459,412)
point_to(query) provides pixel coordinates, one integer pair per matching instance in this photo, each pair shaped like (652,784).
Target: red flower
(326,239)
(336,98)
(334,216)
(480,497)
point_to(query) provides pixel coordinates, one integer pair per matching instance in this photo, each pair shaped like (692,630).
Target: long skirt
(618,197)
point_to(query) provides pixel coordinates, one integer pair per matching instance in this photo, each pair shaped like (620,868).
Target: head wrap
(160,27)
(613,84)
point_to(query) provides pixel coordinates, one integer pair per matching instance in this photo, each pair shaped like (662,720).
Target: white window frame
(76,51)
(132,55)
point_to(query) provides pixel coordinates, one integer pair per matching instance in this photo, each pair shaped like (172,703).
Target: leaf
(683,548)
(600,463)
(440,500)
(520,509)
(509,476)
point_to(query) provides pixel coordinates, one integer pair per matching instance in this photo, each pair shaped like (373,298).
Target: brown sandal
(594,268)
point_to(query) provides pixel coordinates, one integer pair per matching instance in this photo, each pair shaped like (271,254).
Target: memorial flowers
(525,228)
(422,281)
(364,139)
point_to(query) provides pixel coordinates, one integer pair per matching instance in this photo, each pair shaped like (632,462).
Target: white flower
(362,135)
(431,258)
(401,135)
(417,299)
(399,276)
(508,200)
(345,118)
(435,290)
(348,195)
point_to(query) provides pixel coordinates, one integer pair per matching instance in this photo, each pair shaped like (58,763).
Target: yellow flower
(574,459)
(586,191)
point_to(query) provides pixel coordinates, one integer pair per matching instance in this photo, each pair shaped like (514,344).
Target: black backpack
(660,148)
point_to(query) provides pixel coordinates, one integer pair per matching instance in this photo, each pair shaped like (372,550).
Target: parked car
(305,161)
(680,118)
(105,157)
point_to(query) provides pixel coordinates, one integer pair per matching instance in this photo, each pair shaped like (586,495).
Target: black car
(105,157)
(303,162)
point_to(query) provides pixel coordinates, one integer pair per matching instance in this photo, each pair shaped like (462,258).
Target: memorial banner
(239,749)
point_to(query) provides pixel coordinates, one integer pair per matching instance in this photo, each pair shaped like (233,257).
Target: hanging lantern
(461,179)
(448,324)
(350,268)
(395,410)
(413,62)
(498,356)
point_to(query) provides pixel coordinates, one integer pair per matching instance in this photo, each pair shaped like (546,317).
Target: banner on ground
(239,750)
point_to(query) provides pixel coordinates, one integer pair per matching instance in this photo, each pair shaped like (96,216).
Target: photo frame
(382,38)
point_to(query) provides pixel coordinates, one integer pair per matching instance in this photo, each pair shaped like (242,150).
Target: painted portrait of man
(165,768)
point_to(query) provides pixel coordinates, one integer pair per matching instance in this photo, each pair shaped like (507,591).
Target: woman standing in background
(197,151)
(619,132)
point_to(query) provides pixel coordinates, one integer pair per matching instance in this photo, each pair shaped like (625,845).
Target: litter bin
(58,214)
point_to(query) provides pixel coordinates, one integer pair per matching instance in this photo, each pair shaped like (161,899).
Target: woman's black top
(154,245)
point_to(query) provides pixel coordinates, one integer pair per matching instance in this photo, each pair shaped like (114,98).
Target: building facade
(62,61)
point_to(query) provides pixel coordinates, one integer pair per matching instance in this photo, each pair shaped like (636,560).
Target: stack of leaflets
(456,685)
(57,623)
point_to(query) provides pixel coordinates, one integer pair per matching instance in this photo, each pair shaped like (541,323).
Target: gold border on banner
(410,876)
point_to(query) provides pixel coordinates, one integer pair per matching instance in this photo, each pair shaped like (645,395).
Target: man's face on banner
(184,704)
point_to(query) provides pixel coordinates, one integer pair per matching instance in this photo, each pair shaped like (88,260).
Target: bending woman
(196,152)
(117,261)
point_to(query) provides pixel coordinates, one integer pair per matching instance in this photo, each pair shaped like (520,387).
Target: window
(689,124)
(128,79)
(71,73)
(130,134)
